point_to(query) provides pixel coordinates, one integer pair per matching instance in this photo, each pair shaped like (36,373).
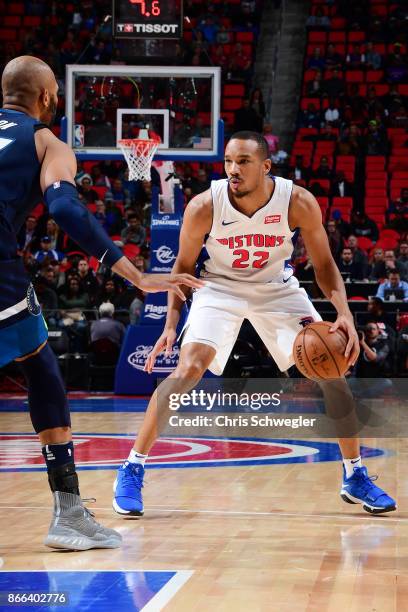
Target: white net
(139,154)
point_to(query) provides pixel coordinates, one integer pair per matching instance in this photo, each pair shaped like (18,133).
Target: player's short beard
(241,194)
(49,113)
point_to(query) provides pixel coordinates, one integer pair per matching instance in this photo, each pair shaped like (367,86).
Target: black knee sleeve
(47,398)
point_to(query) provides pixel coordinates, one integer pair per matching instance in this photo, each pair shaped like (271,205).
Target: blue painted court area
(95,403)
(129,591)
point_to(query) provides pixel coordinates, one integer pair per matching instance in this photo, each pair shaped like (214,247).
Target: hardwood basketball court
(256,537)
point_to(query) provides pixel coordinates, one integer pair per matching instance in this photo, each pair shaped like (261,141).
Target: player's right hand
(153,283)
(164,343)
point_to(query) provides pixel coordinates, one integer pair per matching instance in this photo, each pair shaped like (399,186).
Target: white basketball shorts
(277,311)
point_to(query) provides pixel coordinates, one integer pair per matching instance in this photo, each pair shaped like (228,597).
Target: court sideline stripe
(168,591)
(234,513)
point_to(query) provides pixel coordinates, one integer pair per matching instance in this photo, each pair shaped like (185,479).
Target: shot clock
(147,18)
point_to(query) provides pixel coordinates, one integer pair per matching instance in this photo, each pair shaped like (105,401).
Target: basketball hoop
(139,153)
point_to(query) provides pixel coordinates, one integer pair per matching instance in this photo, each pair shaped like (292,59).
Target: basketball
(319,354)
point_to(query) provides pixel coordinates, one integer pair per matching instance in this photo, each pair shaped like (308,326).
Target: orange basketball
(319,354)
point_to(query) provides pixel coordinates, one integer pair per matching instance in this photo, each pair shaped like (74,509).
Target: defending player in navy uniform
(35,166)
(249,223)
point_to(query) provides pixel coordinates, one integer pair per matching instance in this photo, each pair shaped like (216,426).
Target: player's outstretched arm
(196,224)
(305,214)
(57,180)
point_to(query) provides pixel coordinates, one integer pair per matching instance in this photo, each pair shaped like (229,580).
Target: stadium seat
(337,23)
(337,37)
(384,243)
(232,104)
(13,21)
(244,37)
(8,34)
(376,192)
(402,321)
(324,183)
(304,103)
(374,76)
(234,90)
(356,36)
(389,233)
(354,76)
(378,218)
(303,132)
(131,250)
(342,203)
(16,8)
(317,37)
(100,190)
(364,243)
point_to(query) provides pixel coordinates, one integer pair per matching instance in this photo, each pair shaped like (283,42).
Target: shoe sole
(80,543)
(349,499)
(121,511)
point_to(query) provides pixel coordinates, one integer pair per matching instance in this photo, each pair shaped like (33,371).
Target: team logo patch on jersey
(272,219)
(33,305)
(21,452)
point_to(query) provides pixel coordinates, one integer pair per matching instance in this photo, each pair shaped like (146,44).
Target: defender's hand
(353,345)
(153,283)
(164,343)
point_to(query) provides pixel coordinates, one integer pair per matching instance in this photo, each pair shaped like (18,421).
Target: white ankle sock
(350,464)
(135,457)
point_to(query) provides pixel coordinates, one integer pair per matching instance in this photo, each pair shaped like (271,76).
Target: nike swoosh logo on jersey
(285,280)
(228,222)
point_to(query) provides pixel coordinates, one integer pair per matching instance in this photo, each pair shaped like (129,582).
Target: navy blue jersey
(19,176)
(20,192)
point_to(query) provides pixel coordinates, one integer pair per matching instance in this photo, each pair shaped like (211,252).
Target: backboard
(180,104)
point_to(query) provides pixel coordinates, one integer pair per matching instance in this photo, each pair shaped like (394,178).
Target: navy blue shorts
(22,326)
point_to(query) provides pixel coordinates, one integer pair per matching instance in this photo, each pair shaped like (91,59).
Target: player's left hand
(153,283)
(353,345)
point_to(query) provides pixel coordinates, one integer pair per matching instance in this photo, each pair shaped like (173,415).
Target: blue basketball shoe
(360,489)
(127,490)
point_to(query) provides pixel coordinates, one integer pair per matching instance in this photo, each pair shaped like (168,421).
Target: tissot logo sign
(147,19)
(149,28)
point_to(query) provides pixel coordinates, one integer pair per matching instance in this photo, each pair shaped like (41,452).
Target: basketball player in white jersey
(249,224)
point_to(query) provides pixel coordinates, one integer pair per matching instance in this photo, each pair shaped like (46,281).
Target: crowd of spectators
(351,151)
(354,96)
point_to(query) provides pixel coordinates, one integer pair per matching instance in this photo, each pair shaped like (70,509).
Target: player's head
(247,162)
(29,84)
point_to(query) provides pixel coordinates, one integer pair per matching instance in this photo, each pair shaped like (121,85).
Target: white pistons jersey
(254,249)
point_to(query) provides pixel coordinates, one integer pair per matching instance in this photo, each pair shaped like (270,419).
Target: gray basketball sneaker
(74,528)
